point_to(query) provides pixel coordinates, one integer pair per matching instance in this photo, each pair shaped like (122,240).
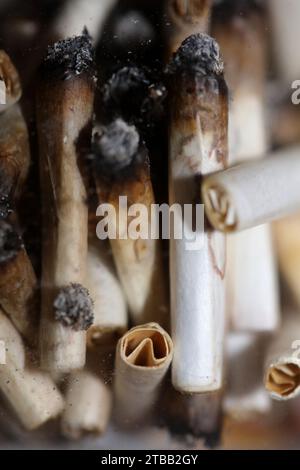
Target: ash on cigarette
(132,93)
(10,242)
(73,307)
(70,57)
(200,54)
(126,88)
(115,147)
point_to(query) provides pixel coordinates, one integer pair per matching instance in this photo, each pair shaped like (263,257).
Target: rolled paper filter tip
(282,370)
(283,379)
(253,192)
(146,346)
(142,360)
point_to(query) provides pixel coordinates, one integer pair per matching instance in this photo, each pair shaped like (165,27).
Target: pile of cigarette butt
(179,102)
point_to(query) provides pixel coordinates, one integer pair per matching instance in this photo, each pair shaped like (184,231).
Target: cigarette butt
(254,192)
(282,363)
(143,357)
(110,309)
(64,108)
(121,168)
(198,146)
(18,283)
(251,281)
(88,406)
(32,393)
(186,18)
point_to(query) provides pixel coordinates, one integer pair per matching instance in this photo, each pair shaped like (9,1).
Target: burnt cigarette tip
(10,242)
(199,53)
(73,307)
(70,57)
(135,94)
(126,80)
(115,146)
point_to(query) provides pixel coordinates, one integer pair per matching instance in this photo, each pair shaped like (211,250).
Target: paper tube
(254,192)
(282,365)
(252,282)
(245,395)
(88,406)
(251,276)
(64,112)
(32,394)
(110,309)
(198,146)
(143,357)
(186,18)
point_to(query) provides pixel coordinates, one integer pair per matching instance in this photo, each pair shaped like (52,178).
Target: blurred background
(260,50)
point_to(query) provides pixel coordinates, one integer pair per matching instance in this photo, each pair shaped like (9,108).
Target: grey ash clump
(115,147)
(69,57)
(198,53)
(10,242)
(73,307)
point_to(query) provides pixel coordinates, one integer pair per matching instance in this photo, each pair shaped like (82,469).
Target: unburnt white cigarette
(121,168)
(287,244)
(31,392)
(245,395)
(110,309)
(64,109)
(251,284)
(284,28)
(78,14)
(187,17)
(143,357)
(198,145)
(11,79)
(282,365)
(252,281)
(87,406)
(253,192)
